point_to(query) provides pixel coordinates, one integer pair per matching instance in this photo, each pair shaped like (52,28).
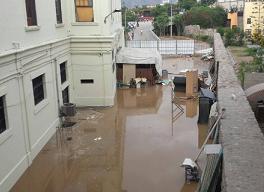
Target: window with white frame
(84,10)
(31,13)
(58,11)
(63,72)
(3,120)
(38,88)
(65,95)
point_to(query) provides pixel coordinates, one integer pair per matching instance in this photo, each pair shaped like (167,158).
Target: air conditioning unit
(68,109)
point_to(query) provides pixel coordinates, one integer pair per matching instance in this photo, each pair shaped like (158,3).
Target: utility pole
(125,17)
(125,10)
(171,18)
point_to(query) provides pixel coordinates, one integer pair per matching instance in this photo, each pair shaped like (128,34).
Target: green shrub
(251,51)
(204,38)
(221,31)
(233,37)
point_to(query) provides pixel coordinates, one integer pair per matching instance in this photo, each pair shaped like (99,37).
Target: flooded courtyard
(135,146)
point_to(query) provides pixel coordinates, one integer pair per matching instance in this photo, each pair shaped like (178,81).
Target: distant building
(235,10)
(165,1)
(232,17)
(254,17)
(235,19)
(231,4)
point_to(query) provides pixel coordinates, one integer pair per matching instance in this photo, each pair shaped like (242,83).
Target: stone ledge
(241,137)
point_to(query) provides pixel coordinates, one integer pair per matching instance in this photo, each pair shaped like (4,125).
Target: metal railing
(171,47)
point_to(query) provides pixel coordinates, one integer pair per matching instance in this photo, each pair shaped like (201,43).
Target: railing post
(176,46)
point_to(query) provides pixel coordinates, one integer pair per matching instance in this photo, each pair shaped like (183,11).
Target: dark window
(113,55)
(63,72)
(38,89)
(31,12)
(143,66)
(2,115)
(65,95)
(87,81)
(249,21)
(84,10)
(58,11)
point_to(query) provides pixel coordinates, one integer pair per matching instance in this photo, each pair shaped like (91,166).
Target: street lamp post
(171,18)
(125,18)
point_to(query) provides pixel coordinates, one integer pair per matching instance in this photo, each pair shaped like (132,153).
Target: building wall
(30,126)
(233,19)
(14,28)
(229,4)
(253,10)
(89,50)
(98,27)
(93,60)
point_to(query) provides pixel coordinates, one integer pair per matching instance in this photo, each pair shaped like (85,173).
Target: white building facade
(51,52)
(254,17)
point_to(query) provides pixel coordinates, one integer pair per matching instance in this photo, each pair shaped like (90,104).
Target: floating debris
(90,115)
(98,139)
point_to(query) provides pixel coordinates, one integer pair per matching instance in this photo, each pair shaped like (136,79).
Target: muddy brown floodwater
(131,147)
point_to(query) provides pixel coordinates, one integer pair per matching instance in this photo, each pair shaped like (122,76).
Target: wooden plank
(191,83)
(129,72)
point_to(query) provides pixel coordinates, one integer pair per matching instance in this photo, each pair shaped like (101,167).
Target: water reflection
(152,154)
(136,151)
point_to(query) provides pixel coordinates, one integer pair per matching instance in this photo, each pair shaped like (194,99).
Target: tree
(207,2)
(187,4)
(233,37)
(258,38)
(160,23)
(128,15)
(159,10)
(178,22)
(206,17)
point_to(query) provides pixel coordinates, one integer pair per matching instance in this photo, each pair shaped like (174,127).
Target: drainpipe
(57,89)
(171,18)
(24,112)
(27,133)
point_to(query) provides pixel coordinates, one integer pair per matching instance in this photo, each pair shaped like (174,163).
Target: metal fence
(170,47)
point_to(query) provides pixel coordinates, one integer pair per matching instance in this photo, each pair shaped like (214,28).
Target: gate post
(176,41)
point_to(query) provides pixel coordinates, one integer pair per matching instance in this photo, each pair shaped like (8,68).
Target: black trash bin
(204,109)
(179,83)
(206,100)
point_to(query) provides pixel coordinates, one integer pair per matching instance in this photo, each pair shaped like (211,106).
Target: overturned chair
(191,170)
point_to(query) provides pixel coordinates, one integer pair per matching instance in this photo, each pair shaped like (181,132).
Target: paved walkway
(147,34)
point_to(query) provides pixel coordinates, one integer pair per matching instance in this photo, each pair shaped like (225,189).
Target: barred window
(31,12)
(84,10)
(63,72)
(38,89)
(65,95)
(2,115)
(248,20)
(58,11)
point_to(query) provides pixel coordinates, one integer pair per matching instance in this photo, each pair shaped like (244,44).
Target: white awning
(139,56)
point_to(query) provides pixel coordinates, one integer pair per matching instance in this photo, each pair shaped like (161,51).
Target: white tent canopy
(139,56)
